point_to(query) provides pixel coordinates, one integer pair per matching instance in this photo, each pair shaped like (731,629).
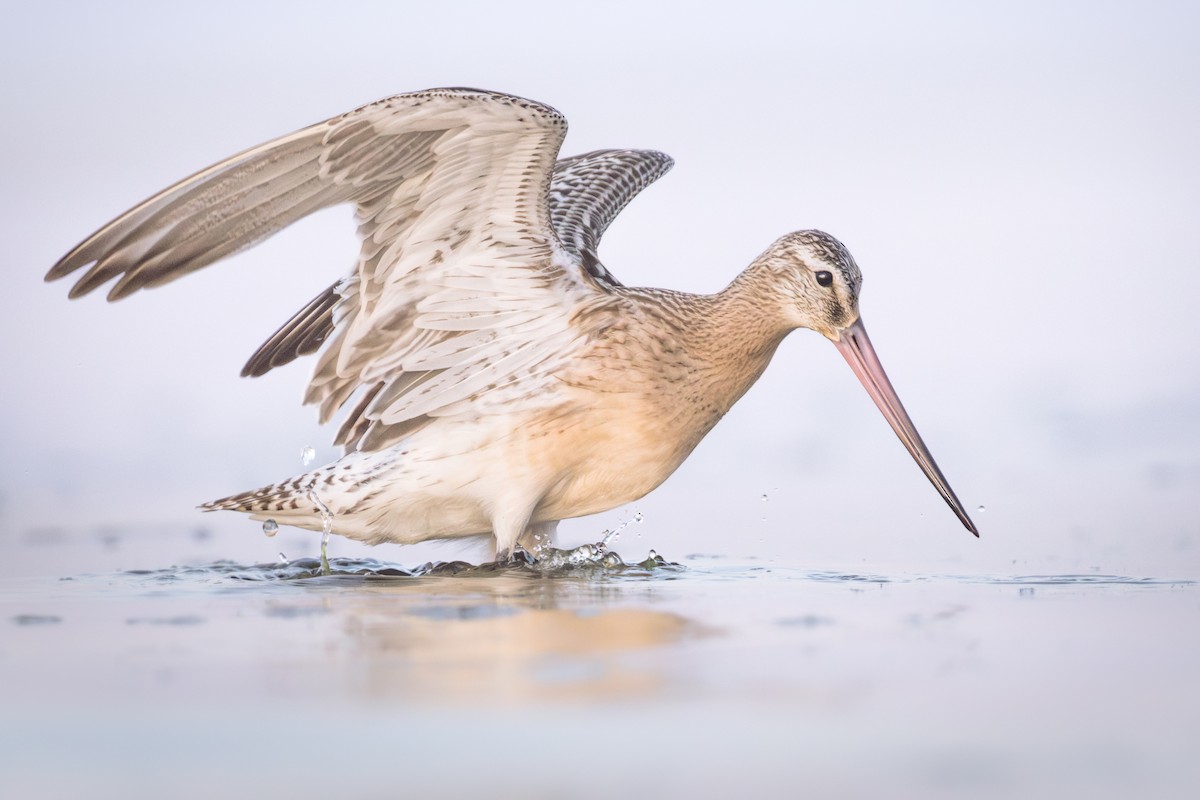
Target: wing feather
(476,250)
(302,334)
(200,206)
(589,190)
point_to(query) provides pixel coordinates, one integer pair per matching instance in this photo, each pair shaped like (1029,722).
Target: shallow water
(695,676)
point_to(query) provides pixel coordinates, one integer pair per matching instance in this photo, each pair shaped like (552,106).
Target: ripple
(1092,579)
(596,563)
(853,577)
(1080,579)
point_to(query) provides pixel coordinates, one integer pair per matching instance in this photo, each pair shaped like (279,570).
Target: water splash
(611,536)
(326,528)
(610,566)
(570,564)
(576,563)
(541,542)
(586,555)
(608,537)
(544,558)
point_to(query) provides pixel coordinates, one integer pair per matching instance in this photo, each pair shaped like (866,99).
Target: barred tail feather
(341,487)
(289,495)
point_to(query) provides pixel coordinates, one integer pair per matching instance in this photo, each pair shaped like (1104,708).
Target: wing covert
(586,193)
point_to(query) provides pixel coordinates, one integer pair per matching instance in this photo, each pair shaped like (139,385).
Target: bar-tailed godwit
(502,378)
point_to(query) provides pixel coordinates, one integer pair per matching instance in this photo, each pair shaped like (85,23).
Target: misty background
(1018,181)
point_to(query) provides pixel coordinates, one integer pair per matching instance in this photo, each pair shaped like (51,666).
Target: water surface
(698,676)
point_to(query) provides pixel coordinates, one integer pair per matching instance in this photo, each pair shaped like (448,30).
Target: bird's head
(815,282)
(816,279)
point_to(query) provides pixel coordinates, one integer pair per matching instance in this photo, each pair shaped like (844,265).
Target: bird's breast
(611,450)
(654,381)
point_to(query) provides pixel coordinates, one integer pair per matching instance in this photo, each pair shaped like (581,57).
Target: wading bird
(503,378)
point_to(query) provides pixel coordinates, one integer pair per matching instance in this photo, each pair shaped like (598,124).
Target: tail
(289,502)
(344,488)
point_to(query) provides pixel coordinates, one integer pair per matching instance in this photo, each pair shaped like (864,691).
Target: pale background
(1018,181)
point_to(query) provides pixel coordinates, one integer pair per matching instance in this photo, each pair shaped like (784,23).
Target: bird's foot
(516,557)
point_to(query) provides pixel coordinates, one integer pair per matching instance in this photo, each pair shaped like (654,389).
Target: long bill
(856,347)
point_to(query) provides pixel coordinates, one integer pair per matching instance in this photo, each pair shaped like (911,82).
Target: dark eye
(825,278)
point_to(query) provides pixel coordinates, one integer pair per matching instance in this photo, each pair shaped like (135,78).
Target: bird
(498,377)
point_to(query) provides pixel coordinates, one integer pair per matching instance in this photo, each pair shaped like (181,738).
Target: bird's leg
(508,527)
(538,537)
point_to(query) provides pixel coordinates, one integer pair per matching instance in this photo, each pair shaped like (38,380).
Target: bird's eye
(825,278)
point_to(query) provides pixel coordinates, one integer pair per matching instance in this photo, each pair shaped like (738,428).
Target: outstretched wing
(461,289)
(586,194)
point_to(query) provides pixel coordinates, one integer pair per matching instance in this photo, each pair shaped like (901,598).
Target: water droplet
(653,556)
(270,527)
(608,537)
(326,528)
(584,555)
(764,497)
(307,455)
(981,509)
(541,543)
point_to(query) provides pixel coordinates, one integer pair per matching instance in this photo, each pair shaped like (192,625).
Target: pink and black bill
(856,347)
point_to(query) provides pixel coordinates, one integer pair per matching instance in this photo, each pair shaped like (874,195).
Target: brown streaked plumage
(504,379)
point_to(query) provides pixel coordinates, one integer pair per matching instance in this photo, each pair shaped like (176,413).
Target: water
(326,527)
(584,674)
(611,536)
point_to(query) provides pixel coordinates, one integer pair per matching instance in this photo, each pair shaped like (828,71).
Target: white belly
(453,478)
